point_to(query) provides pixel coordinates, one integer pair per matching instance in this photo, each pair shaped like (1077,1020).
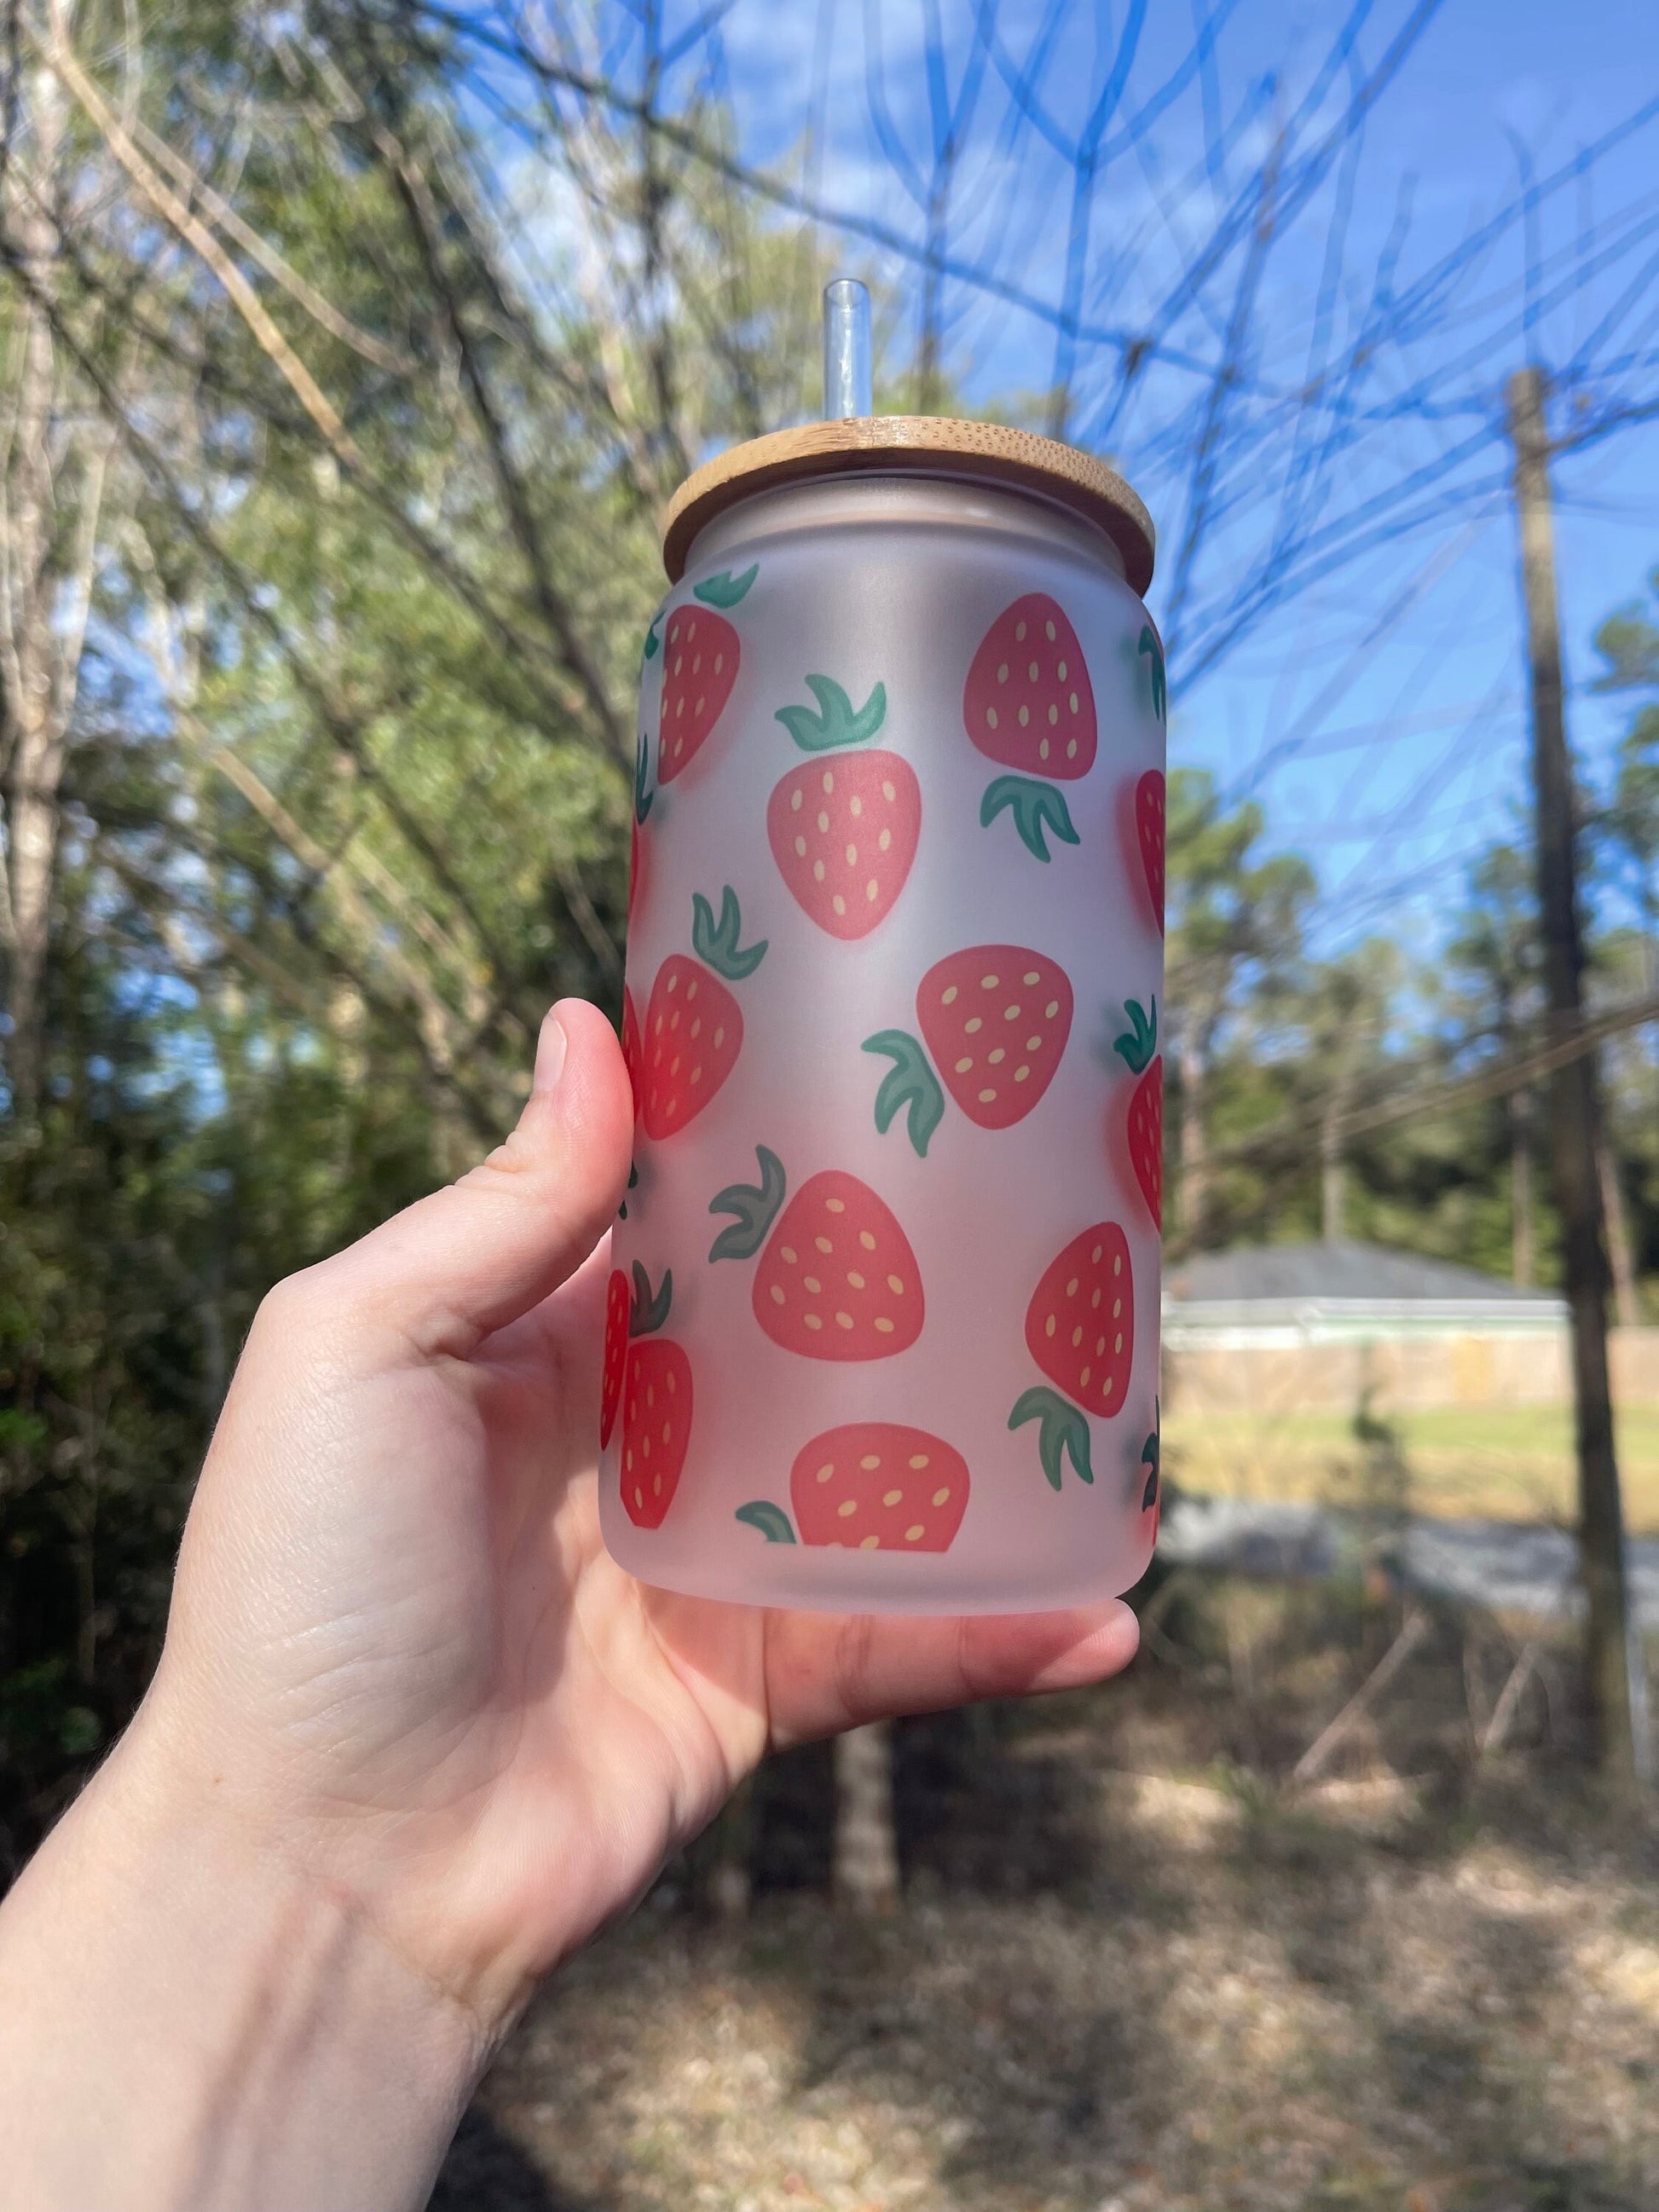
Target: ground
(1138,1969)
(1500,1463)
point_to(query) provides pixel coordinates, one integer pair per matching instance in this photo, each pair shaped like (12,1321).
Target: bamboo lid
(916,444)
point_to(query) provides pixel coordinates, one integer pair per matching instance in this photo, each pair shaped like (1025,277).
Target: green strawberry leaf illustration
(836,722)
(771,1520)
(652,642)
(642,795)
(755,1208)
(1035,806)
(1160,694)
(909,1083)
(717,943)
(646,1313)
(1062,1431)
(1139,1041)
(726,589)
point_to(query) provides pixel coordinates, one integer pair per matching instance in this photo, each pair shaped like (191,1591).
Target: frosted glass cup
(883,1320)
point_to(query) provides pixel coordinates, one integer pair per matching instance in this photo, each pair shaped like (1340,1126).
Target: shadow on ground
(1137,1970)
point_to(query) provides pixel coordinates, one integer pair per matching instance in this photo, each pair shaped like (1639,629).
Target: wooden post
(1573,1110)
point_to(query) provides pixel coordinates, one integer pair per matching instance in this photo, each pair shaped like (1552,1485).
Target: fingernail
(551,1047)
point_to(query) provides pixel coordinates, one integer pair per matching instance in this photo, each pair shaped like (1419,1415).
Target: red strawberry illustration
(1079,1328)
(636,845)
(996,1019)
(870,1486)
(844,832)
(693,1027)
(656,1406)
(615,1352)
(1149,831)
(837,1279)
(701,659)
(1027,703)
(1139,1046)
(630,1044)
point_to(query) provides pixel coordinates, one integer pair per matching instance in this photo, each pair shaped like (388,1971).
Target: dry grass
(1502,1463)
(1135,1971)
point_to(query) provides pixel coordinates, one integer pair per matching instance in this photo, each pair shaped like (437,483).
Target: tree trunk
(867,1872)
(1330,1182)
(1574,1114)
(1626,1306)
(1520,1205)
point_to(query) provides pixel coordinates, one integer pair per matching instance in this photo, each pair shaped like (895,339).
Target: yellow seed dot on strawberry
(1083,1377)
(1048,631)
(801,848)
(892,1497)
(1034,1044)
(885,840)
(1074,702)
(1094,1259)
(813,1320)
(1100,1346)
(1031,672)
(872,890)
(1117,1343)
(870,1543)
(848,1507)
(1095,1300)
(989,982)
(896,1284)
(639,1495)
(856,807)
(1042,749)
(1024,716)
(719,663)
(795,798)
(1054,716)
(948,998)
(828,780)
(826,1470)
(1048,1326)
(1076,1337)
(920,1460)
(835,1206)
(812,1283)
(817,872)
(843,1321)
(1051,1009)
(1117,1263)
(823,822)
(627,1455)
(786,1252)
(855,1280)
(777,1294)
(866,1240)
(1020,633)
(720,1038)
(823,1244)
(679,662)
(696,663)
(889,793)
(696,1073)
(1002,673)
(1071,750)
(667,1432)
(674,1064)
(882,1325)
(990,718)
(964,1064)
(1059,670)
(1020,1074)
(1071,1288)
(997,1057)
(987,1097)
(914,1535)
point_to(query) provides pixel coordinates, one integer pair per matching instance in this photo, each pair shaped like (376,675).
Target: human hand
(400,1666)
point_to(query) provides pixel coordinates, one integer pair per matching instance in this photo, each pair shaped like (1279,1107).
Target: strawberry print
(701,656)
(630,1044)
(1153,653)
(1139,1046)
(617,1309)
(843,831)
(837,1278)
(1149,835)
(1029,704)
(996,1018)
(1079,1328)
(870,1486)
(693,1025)
(656,1406)
(643,796)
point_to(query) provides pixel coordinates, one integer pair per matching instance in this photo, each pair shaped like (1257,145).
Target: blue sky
(1379,714)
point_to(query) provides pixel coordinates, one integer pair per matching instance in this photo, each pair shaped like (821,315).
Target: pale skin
(414,1737)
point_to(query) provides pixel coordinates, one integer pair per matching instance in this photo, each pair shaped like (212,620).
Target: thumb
(450,1269)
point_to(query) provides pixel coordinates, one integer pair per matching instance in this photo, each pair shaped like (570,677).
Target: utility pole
(1575,1117)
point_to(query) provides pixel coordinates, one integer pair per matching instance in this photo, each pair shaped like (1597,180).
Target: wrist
(254,2037)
